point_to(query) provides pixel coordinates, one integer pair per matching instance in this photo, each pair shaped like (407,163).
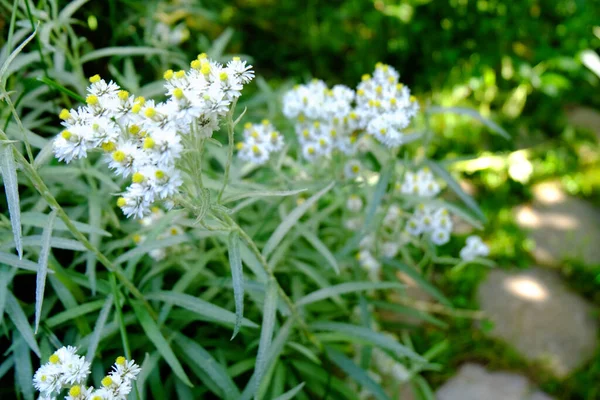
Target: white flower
(260,141)
(352,169)
(440,236)
(474,248)
(389,249)
(354,203)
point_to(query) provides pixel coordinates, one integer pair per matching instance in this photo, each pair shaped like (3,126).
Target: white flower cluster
(474,248)
(432,221)
(367,260)
(67,370)
(384,106)
(421,183)
(324,119)
(156,214)
(327,119)
(143,139)
(260,140)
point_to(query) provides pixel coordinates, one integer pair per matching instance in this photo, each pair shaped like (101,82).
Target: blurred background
(531,66)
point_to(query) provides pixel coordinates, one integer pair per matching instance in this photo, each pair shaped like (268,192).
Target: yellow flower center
(365,77)
(148,143)
(138,177)
(119,156)
(123,95)
(202,56)
(196,64)
(107,381)
(136,108)
(64,114)
(134,129)
(178,93)
(159,174)
(121,202)
(223,76)
(91,100)
(205,68)
(141,100)
(120,360)
(95,78)
(66,135)
(150,112)
(179,74)
(75,391)
(239,145)
(108,146)
(54,359)
(168,75)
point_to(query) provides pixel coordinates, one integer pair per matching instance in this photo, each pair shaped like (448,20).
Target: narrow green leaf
(6,277)
(291,219)
(98,328)
(125,51)
(455,186)
(262,193)
(61,88)
(12,56)
(237,277)
(67,12)
(320,247)
(6,365)
(422,282)
(149,245)
(42,272)
(357,373)
(153,332)
(17,316)
(71,313)
(347,287)
(353,332)
(202,308)
(8,170)
(473,114)
(203,360)
(23,369)
(291,393)
(12,260)
(39,220)
(266,332)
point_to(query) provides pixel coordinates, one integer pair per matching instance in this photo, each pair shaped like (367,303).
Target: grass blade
(23,368)
(202,308)
(291,393)
(292,219)
(237,277)
(455,186)
(347,287)
(202,359)
(266,332)
(54,85)
(125,51)
(320,247)
(12,260)
(354,332)
(12,56)
(98,328)
(18,317)
(357,373)
(473,114)
(42,272)
(8,170)
(422,282)
(153,332)
(262,193)
(38,219)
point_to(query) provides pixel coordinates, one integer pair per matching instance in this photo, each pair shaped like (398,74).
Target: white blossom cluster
(141,139)
(260,141)
(367,260)
(328,119)
(67,370)
(384,106)
(156,214)
(421,183)
(432,221)
(324,119)
(474,248)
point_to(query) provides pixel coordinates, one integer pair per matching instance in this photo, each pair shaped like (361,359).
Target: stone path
(474,382)
(563,227)
(536,314)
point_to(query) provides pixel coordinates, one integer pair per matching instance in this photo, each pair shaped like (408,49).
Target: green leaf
(6,277)
(266,331)
(12,56)
(202,308)
(71,313)
(62,89)
(455,186)
(8,170)
(124,51)
(202,359)
(17,316)
(292,219)
(237,278)
(291,393)
(319,246)
(353,332)
(23,369)
(98,328)
(347,287)
(262,193)
(149,245)
(40,220)
(153,332)
(42,272)
(473,114)
(416,276)
(358,374)
(12,260)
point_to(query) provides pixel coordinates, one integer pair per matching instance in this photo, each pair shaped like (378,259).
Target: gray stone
(474,382)
(563,227)
(536,314)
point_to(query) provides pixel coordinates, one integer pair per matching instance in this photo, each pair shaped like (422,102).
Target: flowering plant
(292,247)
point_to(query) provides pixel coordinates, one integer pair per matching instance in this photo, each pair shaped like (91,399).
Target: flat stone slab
(563,227)
(474,382)
(535,313)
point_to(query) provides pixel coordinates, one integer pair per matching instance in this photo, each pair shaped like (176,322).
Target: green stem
(122,328)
